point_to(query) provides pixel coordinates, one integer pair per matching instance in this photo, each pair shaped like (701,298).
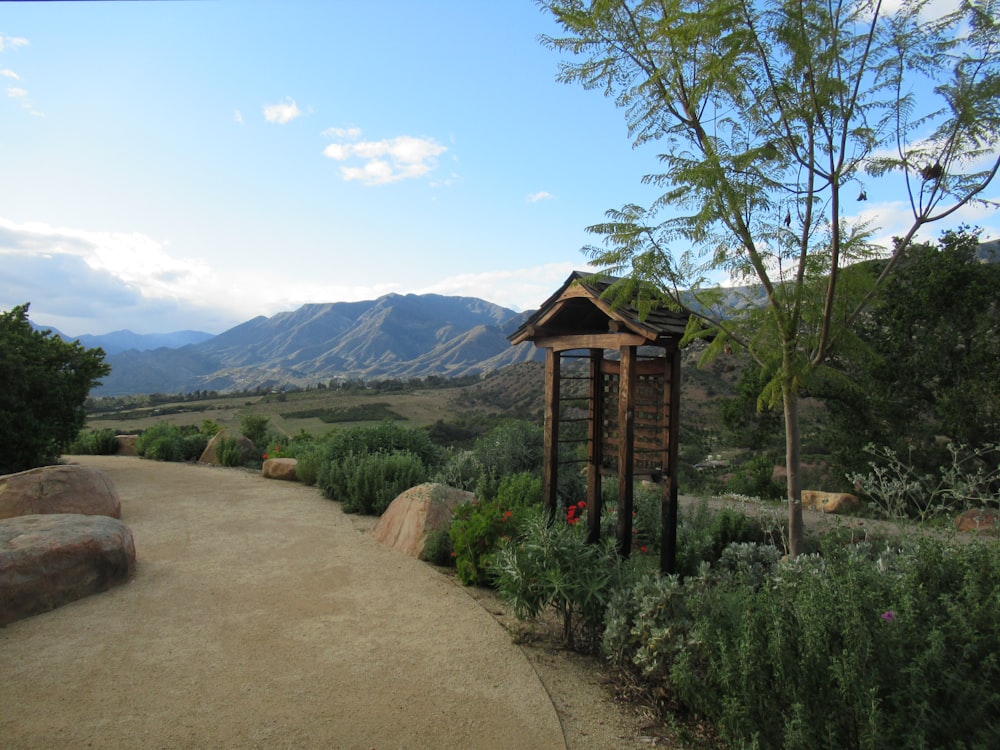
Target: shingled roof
(579,309)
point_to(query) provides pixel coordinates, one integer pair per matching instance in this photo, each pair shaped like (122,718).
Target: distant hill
(395,336)
(121,341)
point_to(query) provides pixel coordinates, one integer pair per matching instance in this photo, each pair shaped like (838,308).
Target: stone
(59,489)
(829,502)
(127,445)
(211,453)
(280,468)
(979,520)
(406,522)
(50,560)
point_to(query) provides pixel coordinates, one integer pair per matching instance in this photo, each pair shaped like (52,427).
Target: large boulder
(408,519)
(50,560)
(211,453)
(127,445)
(280,468)
(985,520)
(829,502)
(59,489)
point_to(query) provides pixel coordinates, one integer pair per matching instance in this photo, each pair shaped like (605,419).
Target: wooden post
(669,487)
(626,447)
(596,453)
(550,467)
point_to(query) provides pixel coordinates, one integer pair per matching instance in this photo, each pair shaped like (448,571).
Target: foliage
(95,443)
(438,548)
(927,362)
(479,527)
(254,427)
(551,565)
(367,412)
(368,482)
(774,116)
(167,442)
(865,647)
(45,384)
(748,422)
(509,448)
(755,477)
(969,478)
(230,452)
(460,470)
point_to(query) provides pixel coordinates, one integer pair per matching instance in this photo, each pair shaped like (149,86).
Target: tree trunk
(793,465)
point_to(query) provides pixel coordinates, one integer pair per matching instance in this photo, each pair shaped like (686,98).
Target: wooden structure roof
(578,316)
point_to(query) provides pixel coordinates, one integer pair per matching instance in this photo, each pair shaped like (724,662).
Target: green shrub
(255,427)
(479,527)
(755,478)
(438,548)
(647,625)
(460,470)
(509,448)
(368,483)
(230,452)
(865,647)
(161,442)
(551,565)
(95,443)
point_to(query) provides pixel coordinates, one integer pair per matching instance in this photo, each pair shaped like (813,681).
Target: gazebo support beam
(626,447)
(550,446)
(669,484)
(596,447)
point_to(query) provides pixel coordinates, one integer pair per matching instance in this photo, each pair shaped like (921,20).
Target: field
(515,392)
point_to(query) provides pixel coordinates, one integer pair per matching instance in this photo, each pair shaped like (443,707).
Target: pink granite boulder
(59,489)
(408,519)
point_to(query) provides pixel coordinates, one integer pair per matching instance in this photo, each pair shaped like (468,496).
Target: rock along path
(259,617)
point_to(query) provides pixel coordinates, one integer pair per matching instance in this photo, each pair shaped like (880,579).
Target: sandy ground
(261,616)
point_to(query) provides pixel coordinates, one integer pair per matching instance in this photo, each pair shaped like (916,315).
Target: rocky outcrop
(408,519)
(211,453)
(280,468)
(50,560)
(58,489)
(829,502)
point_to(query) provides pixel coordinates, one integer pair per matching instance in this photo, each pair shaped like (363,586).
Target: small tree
(778,118)
(45,384)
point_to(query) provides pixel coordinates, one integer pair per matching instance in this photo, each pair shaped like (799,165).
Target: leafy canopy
(45,382)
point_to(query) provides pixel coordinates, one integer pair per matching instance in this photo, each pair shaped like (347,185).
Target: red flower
(265,456)
(642,549)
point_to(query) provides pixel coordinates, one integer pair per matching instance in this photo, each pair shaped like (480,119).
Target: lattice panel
(650,403)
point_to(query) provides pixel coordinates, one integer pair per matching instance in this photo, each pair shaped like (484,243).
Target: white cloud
(349,133)
(517,289)
(389,160)
(16,92)
(12,42)
(282,113)
(5,73)
(238,117)
(541,195)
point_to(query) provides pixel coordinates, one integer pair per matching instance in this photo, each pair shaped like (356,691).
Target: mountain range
(394,336)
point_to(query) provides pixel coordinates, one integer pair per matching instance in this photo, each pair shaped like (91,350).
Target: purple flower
(889,616)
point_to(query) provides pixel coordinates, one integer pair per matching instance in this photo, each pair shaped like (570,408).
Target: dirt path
(260,617)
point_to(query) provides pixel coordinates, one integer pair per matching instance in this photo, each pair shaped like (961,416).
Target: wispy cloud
(5,73)
(283,112)
(12,42)
(541,195)
(16,92)
(238,117)
(389,160)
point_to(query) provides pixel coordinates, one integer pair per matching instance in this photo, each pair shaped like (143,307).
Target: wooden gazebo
(630,402)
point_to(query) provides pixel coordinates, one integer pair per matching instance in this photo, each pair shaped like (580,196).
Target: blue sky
(171,165)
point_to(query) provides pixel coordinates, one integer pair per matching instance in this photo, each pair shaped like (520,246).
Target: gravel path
(259,617)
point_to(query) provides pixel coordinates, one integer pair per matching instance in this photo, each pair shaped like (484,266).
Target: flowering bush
(551,565)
